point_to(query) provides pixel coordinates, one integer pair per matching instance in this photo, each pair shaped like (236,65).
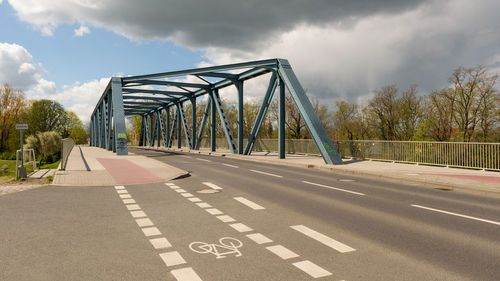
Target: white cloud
(81,31)
(17,67)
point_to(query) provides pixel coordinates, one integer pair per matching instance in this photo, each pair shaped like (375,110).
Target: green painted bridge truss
(156,96)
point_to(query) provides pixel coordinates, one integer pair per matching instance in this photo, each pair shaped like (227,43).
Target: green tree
(12,106)
(46,115)
(44,144)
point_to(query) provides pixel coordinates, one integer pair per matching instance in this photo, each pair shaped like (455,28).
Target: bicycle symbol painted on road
(226,246)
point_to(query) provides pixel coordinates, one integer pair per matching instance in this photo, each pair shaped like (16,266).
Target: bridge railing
(451,154)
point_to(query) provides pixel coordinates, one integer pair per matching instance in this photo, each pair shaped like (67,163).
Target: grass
(9,174)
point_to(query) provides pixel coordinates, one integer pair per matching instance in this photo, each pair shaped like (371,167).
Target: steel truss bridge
(156,96)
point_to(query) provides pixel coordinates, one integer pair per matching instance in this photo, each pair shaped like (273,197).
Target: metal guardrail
(474,155)
(67,145)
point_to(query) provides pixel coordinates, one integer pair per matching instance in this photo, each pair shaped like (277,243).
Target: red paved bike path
(125,172)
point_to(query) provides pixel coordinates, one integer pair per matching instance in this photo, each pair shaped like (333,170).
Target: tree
(385,109)
(12,105)
(410,113)
(44,144)
(46,115)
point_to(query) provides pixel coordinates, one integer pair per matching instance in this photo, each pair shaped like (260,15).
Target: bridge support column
(120,131)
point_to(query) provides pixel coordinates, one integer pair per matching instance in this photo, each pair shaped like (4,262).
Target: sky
(67,50)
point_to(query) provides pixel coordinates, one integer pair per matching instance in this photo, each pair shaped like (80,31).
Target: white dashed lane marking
(282,252)
(456,214)
(172,258)
(240,227)
(160,243)
(194,199)
(264,173)
(187,194)
(144,222)
(122,191)
(151,231)
(133,207)
(226,218)
(169,183)
(204,205)
(125,196)
(312,269)
(201,159)
(327,241)
(128,201)
(212,186)
(119,187)
(180,190)
(214,211)
(138,214)
(334,188)
(249,203)
(229,165)
(259,238)
(185,274)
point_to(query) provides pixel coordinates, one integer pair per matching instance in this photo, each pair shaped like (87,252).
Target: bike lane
(206,244)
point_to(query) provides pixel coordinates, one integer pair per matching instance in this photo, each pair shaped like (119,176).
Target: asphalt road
(241,220)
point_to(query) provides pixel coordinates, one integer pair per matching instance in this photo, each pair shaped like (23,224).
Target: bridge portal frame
(153,97)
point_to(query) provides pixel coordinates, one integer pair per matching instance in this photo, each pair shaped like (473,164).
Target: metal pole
(239,85)
(22,151)
(179,125)
(193,123)
(213,119)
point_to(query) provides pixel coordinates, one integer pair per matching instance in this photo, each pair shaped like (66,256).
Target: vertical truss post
(318,133)
(151,130)
(120,130)
(193,122)
(239,86)
(162,129)
(224,122)
(202,125)
(92,125)
(109,124)
(213,126)
(103,125)
(167,129)
(281,122)
(261,114)
(172,130)
(185,125)
(179,125)
(159,128)
(142,135)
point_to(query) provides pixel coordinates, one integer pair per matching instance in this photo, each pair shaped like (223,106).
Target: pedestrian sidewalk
(92,166)
(436,176)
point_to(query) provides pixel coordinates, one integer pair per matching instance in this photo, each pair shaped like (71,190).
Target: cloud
(81,31)
(17,67)
(195,23)
(420,46)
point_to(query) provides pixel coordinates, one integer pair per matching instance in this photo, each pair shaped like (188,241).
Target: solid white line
(312,269)
(128,201)
(455,214)
(138,214)
(122,191)
(259,238)
(334,188)
(144,222)
(194,199)
(214,211)
(249,203)
(240,227)
(204,205)
(229,165)
(264,173)
(172,258)
(187,194)
(124,196)
(160,243)
(133,207)
(212,186)
(201,159)
(185,274)
(151,231)
(332,243)
(225,218)
(119,187)
(282,252)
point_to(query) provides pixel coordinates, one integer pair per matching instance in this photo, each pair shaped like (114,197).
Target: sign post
(21,171)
